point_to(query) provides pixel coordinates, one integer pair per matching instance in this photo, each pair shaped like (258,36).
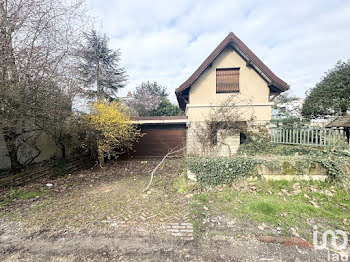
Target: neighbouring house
(231,69)
(287,110)
(342,122)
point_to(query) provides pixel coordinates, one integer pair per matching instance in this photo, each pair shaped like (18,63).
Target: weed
(197,217)
(6,202)
(203,198)
(267,208)
(182,185)
(19,194)
(43,203)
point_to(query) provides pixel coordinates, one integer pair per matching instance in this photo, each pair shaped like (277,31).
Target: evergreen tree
(99,66)
(331,96)
(166,108)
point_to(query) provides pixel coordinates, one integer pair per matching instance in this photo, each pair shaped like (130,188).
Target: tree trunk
(99,91)
(63,150)
(10,139)
(344,108)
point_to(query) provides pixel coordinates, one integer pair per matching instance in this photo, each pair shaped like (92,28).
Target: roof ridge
(231,37)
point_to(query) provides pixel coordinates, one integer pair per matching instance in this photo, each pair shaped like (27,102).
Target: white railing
(309,136)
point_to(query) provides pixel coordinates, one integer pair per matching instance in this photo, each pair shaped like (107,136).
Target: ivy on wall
(215,171)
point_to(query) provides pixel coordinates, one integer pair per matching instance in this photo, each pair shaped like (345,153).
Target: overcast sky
(165,41)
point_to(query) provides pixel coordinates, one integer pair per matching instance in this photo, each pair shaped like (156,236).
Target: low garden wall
(292,170)
(215,171)
(44,143)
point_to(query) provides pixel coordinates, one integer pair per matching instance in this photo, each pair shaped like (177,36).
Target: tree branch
(169,154)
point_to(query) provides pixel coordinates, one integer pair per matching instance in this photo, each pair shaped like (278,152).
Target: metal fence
(309,136)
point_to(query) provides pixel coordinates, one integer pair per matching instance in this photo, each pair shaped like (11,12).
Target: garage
(161,134)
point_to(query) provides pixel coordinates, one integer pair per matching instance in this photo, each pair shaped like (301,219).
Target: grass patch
(6,202)
(24,195)
(43,203)
(263,207)
(183,186)
(282,203)
(20,195)
(197,217)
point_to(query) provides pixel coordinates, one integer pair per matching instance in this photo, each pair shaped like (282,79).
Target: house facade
(233,73)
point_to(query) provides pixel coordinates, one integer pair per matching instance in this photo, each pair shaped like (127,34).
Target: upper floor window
(227,80)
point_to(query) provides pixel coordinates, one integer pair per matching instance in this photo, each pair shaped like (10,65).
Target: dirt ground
(108,245)
(103,215)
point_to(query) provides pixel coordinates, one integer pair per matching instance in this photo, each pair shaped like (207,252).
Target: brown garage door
(160,139)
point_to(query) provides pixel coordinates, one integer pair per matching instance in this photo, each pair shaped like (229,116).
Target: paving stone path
(180,230)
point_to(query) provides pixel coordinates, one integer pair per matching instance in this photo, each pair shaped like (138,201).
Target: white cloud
(165,41)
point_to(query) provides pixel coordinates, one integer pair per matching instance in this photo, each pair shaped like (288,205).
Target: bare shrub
(228,119)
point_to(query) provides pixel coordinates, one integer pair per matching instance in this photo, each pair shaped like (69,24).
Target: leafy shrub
(112,128)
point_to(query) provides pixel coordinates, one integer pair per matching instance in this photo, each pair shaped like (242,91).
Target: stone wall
(44,143)
(282,168)
(288,172)
(226,145)
(4,159)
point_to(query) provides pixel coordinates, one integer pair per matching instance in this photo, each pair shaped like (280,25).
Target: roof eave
(237,45)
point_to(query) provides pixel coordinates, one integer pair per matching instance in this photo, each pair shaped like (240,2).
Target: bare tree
(37,42)
(146,98)
(227,119)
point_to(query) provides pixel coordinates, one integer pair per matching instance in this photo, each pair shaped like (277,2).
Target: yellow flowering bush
(113,130)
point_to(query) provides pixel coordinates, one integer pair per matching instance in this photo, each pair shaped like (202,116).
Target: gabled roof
(340,121)
(275,83)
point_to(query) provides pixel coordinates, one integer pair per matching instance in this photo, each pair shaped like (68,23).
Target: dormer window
(227,80)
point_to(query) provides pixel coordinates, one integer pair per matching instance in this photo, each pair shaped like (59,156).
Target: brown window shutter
(227,80)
